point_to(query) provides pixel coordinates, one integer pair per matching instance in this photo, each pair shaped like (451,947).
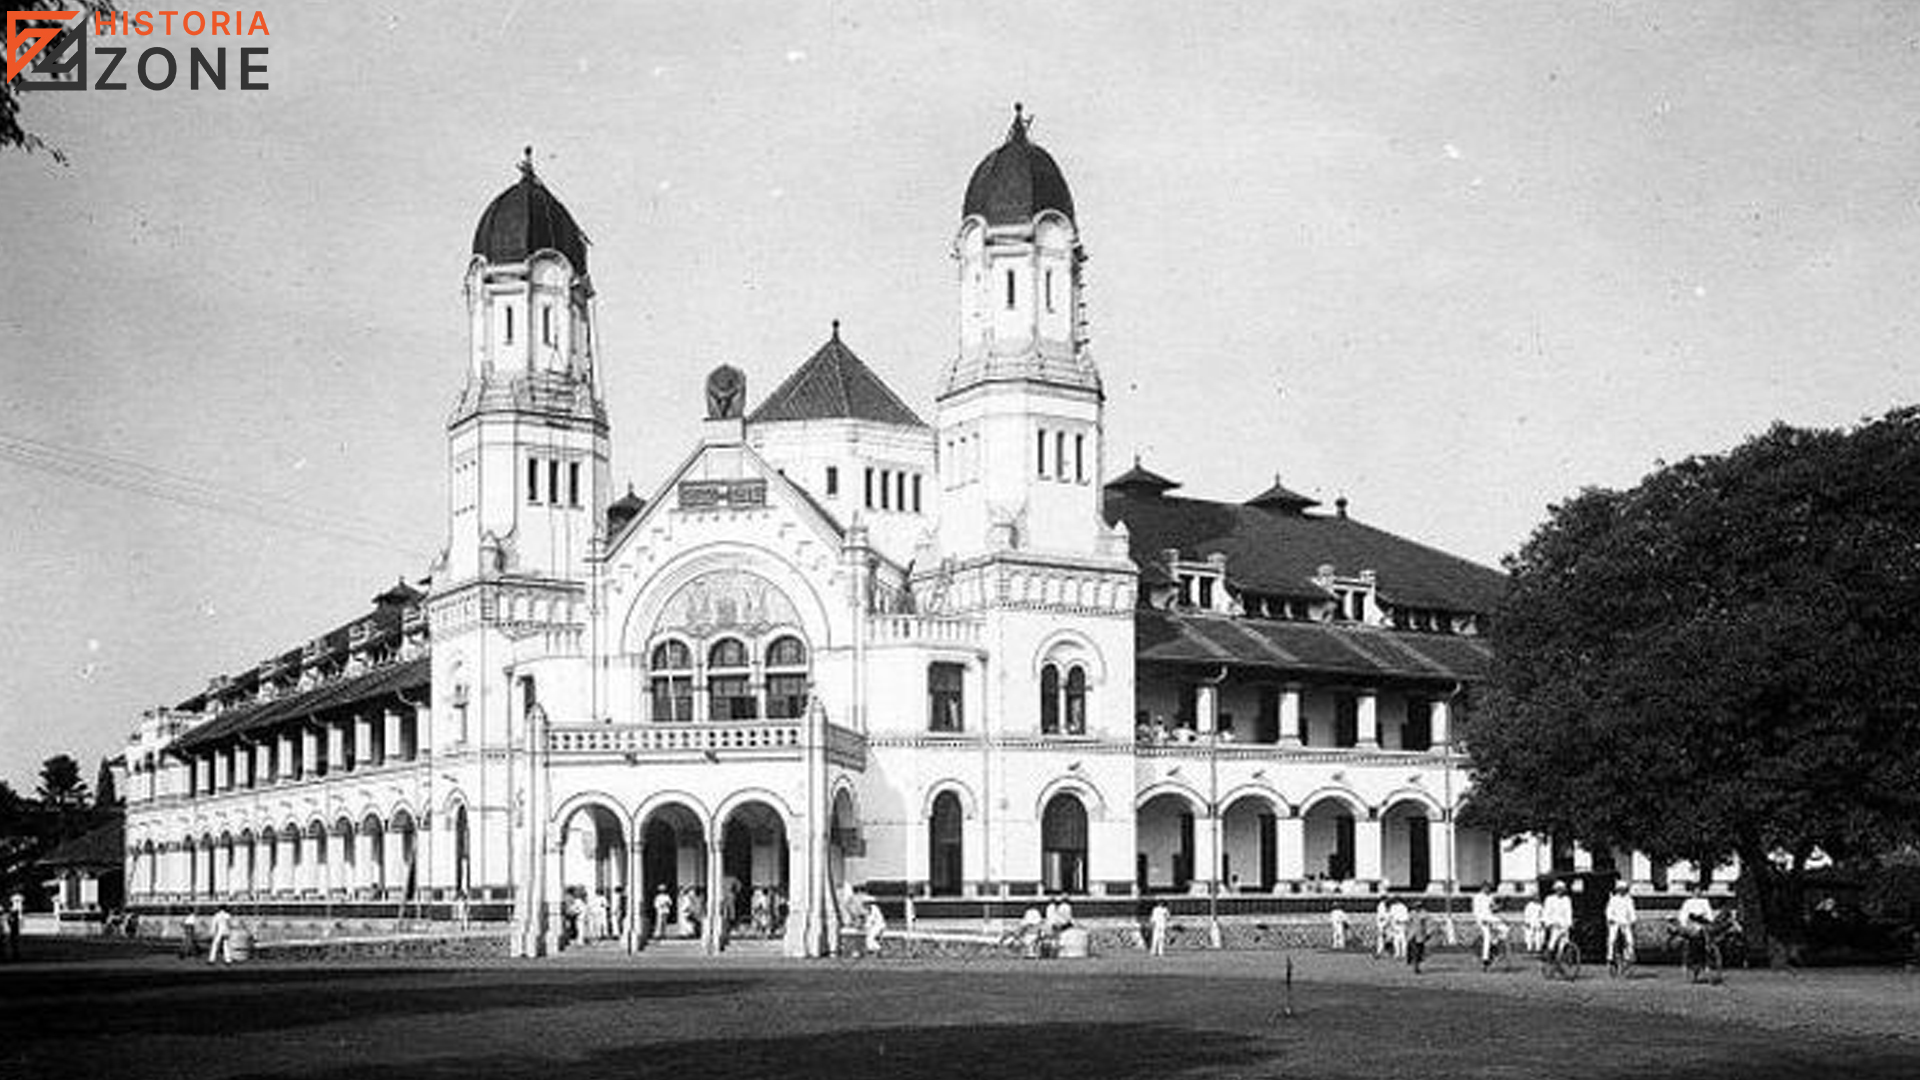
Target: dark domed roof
(527,218)
(1016,181)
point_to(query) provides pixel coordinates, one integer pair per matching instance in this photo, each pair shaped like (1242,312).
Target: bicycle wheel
(1570,960)
(1714,963)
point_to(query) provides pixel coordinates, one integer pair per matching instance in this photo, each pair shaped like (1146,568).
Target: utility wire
(104,470)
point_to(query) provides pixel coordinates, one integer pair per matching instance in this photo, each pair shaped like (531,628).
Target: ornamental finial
(526,161)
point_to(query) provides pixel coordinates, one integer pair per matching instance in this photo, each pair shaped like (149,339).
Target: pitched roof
(103,846)
(1281,497)
(1320,648)
(1142,479)
(407,675)
(834,384)
(1280,554)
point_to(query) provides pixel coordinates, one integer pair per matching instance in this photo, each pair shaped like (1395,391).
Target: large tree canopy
(1722,661)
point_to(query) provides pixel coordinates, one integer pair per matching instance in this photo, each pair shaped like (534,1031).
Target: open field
(130,1014)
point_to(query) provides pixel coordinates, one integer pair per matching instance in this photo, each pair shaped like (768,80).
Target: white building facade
(837,648)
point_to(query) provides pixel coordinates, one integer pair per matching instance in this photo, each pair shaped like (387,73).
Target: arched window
(729,682)
(786,678)
(1063,845)
(1049,700)
(1076,700)
(672,673)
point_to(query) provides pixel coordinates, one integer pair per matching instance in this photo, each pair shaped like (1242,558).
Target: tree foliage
(1721,661)
(60,785)
(105,796)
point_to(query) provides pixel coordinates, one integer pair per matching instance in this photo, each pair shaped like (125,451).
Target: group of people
(219,936)
(1040,933)
(683,914)
(1546,924)
(593,916)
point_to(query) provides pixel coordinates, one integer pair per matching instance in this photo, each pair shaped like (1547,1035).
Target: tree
(12,135)
(1723,661)
(104,795)
(60,785)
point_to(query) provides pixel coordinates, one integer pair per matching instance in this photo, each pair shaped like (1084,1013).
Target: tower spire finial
(526,161)
(1021,122)
(836,329)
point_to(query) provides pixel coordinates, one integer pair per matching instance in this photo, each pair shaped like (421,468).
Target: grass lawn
(83,1013)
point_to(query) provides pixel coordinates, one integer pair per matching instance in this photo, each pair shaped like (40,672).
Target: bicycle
(1499,953)
(1621,963)
(1562,960)
(1700,953)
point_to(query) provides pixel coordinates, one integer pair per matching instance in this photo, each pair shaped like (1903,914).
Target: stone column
(638,902)
(336,747)
(1290,848)
(1206,707)
(363,742)
(1367,704)
(1440,850)
(363,869)
(1367,850)
(309,750)
(1206,854)
(1290,732)
(711,935)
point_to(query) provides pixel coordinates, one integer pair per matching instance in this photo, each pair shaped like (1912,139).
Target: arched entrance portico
(1329,839)
(1249,839)
(754,870)
(674,865)
(593,871)
(1165,828)
(1063,845)
(946,866)
(1406,853)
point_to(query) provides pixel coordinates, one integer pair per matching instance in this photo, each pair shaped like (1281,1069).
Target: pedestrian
(16,908)
(1397,916)
(1337,923)
(876,924)
(1382,923)
(762,911)
(662,912)
(220,947)
(1419,927)
(1157,925)
(1484,919)
(1533,921)
(1031,927)
(190,936)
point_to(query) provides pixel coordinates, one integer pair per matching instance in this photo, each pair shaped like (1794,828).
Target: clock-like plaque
(726,393)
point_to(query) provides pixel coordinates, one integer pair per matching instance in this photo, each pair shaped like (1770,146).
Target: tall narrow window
(900,491)
(833,480)
(886,489)
(1076,700)
(533,480)
(916,493)
(869,488)
(946,707)
(1080,459)
(553,481)
(1049,700)
(573,484)
(1049,291)
(1009,289)
(1040,452)
(546,324)
(509,338)
(1060,455)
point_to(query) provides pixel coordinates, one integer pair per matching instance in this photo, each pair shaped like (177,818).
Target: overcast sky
(1454,261)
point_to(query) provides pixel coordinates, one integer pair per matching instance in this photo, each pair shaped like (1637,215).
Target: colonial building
(844,643)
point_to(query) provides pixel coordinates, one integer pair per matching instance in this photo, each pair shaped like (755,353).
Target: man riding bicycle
(1696,921)
(1620,919)
(1557,916)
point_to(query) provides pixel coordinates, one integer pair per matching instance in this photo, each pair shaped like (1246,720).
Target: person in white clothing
(1337,921)
(1397,916)
(1157,929)
(1620,919)
(1531,918)
(1487,924)
(1556,915)
(1696,912)
(221,949)
(875,926)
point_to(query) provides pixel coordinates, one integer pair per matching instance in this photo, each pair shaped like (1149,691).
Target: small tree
(1719,662)
(60,785)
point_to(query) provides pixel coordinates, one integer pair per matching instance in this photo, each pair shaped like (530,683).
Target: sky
(1454,261)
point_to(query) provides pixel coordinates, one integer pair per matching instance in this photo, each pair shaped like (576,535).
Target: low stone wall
(458,947)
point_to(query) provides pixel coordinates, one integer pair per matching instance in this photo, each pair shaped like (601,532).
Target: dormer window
(1202,585)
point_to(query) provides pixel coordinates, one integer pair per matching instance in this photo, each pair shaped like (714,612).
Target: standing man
(1397,917)
(1157,927)
(662,912)
(1483,922)
(1337,923)
(221,948)
(1531,918)
(1382,922)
